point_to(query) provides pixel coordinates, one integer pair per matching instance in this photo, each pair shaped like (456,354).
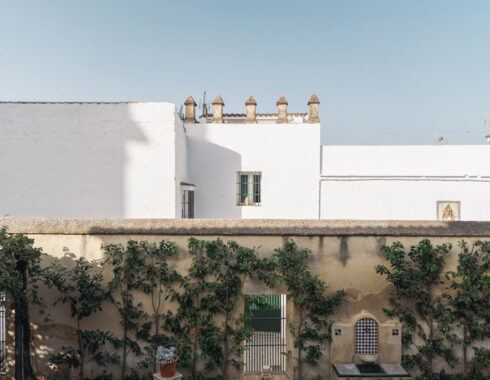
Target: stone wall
(344,254)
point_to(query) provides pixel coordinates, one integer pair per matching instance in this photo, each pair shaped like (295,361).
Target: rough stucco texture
(344,259)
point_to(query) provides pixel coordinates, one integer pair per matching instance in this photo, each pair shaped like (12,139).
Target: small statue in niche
(266,373)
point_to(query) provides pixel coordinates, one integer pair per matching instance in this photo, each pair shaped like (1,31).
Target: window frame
(187,201)
(254,182)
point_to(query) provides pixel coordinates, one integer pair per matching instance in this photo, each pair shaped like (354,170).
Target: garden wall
(344,255)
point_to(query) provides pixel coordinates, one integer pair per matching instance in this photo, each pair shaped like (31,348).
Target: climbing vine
(415,277)
(81,287)
(20,273)
(158,278)
(469,295)
(126,262)
(207,324)
(313,306)
(231,264)
(192,326)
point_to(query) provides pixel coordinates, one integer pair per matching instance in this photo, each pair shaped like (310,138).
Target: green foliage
(16,248)
(469,296)
(158,278)
(192,326)
(230,265)
(312,304)
(210,292)
(479,366)
(207,328)
(128,264)
(415,276)
(20,272)
(81,287)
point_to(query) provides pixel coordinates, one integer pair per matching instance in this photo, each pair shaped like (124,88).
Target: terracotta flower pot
(168,370)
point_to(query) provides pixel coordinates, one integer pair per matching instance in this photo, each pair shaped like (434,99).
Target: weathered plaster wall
(288,155)
(344,254)
(88,159)
(404,182)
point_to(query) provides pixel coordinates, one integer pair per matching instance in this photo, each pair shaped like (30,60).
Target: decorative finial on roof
(218,110)
(282,110)
(189,101)
(251,105)
(218,100)
(190,110)
(313,103)
(282,100)
(313,100)
(250,101)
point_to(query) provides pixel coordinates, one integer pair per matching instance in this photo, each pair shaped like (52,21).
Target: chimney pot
(313,103)
(190,110)
(251,105)
(282,108)
(218,110)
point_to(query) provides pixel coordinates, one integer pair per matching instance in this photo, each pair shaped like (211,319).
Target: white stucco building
(140,160)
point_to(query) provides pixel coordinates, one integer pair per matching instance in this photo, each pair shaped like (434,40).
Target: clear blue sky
(386,72)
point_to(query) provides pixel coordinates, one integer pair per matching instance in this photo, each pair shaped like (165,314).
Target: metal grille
(366,339)
(3,351)
(187,204)
(268,342)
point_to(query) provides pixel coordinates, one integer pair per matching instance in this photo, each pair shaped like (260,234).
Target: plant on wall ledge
(469,299)
(312,304)
(415,277)
(81,288)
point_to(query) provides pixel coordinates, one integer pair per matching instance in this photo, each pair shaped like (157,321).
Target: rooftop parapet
(251,116)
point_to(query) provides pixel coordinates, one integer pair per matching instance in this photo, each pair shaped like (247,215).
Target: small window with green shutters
(249,189)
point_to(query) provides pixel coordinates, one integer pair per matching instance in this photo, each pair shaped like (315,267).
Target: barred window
(187,204)
(366,336)
(3,351)
(249,192)
(187,200)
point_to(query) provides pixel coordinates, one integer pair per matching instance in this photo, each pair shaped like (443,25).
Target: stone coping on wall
(281,227)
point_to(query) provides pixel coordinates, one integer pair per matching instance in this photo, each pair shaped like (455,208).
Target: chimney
(313,103)
(251,110)
(282,108)
(218,110)
(190,110)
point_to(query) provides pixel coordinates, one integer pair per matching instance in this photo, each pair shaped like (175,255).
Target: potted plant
(167,360)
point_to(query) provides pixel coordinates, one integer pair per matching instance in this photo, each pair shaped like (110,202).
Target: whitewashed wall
(288,155)
(404,182)
(181,169)
(88,159)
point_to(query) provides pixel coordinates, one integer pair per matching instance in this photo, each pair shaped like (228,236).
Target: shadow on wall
(213,169)
(64,160)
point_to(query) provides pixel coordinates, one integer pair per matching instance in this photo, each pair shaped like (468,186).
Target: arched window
(366,338)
